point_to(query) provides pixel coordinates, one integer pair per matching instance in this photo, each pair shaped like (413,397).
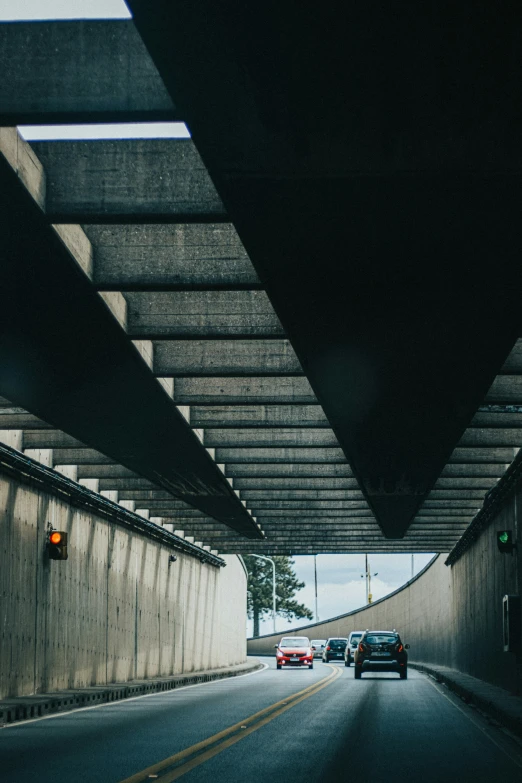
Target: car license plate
(294,658)
(381,655)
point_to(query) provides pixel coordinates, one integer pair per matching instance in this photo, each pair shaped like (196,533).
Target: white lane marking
(472,718)
(121,702)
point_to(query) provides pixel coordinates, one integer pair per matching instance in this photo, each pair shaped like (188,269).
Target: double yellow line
(197,754)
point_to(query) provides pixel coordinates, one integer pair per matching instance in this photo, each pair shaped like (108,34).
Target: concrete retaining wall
(115,611)
(451,616)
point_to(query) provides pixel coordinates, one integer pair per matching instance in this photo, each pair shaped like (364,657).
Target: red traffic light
(57,545)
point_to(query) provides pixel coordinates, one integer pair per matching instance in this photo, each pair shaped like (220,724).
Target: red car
(294,651)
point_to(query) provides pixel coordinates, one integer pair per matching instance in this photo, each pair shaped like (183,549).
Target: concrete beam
(457,504)
(446,511)
(280,470)
(454,482)
(474,470)
(325,538)
(427,523)
(234,548)
(513,364)
(50,439)
(96,368)
(202,314)
(314,455)
(78,72)
(505,389)
(251,438)
(145,495)
(170,257)
(491,437)
(98,181)
(329,513)
(290,482)
(165,508)
(314,505)
(243,390)
(457,494)
(125,483)
(80,457)
(106,471)
(303,494)
(258,416)
(498,419)
(483,454)
(225,357)
(16,418)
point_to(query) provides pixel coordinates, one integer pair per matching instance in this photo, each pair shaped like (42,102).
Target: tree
(259,602)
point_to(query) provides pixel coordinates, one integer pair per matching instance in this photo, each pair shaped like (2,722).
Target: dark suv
(381,651)
(334,650)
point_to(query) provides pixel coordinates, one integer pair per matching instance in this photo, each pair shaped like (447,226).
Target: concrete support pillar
(90,483)
(43,456)
(117,305)
(185,411)
(69,471)
(13,438)
(146,349)
(168,385)
(130,505)
(110,494)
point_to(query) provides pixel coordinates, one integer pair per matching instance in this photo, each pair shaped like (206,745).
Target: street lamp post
(269,560)
(368,576)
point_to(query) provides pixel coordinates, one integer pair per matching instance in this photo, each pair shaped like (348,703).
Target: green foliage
(260,590)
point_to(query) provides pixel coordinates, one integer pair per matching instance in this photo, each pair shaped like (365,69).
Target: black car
(334,649)
(381,651)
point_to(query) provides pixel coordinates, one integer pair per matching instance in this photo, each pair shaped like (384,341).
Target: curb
(23,708)
(495,702)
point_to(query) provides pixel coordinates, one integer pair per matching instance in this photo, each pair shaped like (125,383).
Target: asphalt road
(294,725)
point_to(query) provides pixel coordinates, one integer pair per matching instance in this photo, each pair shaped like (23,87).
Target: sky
(63,9)
(340,586)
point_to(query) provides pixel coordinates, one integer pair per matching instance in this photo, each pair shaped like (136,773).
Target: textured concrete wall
(116,610)
(451,616)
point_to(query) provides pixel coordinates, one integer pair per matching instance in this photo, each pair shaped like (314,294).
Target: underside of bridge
(298,330)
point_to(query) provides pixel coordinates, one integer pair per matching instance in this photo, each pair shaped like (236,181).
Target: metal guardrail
(27,470)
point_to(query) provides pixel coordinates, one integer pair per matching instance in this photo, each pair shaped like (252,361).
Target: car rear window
(381,638)
(294,641)
(336,644)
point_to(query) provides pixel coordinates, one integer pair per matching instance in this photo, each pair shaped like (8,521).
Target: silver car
(353,640)
(318,645)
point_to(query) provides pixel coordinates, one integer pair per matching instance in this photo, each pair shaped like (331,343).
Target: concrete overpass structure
(371,388)
(297,331)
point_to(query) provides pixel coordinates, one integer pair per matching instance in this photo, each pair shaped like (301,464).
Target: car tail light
(361,647)
(400,648)
(328,648)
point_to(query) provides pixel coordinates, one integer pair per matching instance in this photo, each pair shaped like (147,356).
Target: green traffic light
(503,537)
